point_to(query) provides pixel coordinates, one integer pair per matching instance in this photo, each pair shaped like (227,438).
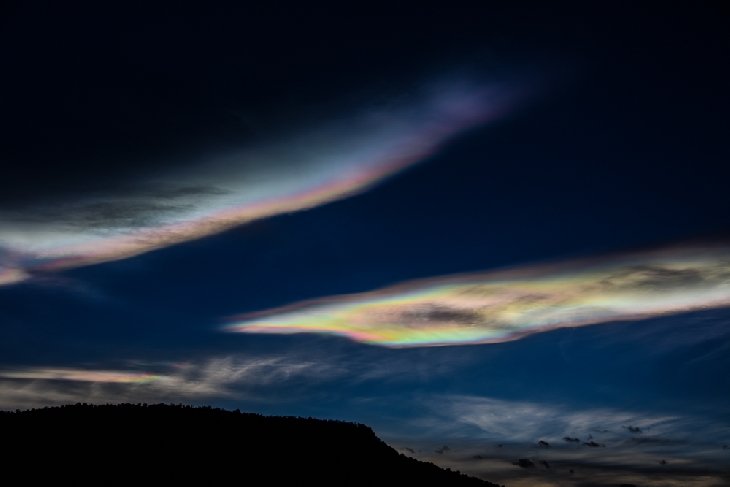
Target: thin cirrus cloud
(526,421)
(585,446)
(281,377)
(80,375)
(211,378)
(314,166)
(509,305)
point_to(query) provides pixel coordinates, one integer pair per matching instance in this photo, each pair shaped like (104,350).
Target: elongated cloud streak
(503,306)
(313,167)
(80,375)
(213,377)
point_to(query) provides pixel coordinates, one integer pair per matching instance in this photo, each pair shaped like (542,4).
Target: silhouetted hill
(167,444)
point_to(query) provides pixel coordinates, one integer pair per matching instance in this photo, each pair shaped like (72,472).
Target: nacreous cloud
(508,305)
(290,173)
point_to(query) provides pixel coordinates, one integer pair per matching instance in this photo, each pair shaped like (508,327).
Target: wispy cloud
(526,421)
(285,375)
(208,379)
(79,375)
(486,436)
(508,305)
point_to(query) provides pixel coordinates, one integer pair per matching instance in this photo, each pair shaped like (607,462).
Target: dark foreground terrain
(144,444)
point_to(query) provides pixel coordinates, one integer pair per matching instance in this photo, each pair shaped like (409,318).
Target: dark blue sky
(611,136)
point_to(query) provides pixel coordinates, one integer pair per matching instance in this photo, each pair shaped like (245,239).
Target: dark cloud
(440,313)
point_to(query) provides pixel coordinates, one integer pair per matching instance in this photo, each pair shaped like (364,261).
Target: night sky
(472,228)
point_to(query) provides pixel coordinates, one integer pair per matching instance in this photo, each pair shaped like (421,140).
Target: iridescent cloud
(306,169)
(508,305)
(10,275)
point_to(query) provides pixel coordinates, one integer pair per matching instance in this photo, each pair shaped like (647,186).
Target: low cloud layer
(283,376)
(525,443)
(209,379)
(503,306)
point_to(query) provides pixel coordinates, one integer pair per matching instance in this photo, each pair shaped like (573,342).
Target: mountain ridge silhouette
(141,443)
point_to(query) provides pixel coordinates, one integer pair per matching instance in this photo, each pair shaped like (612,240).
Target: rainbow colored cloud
(303,170)
(508,305)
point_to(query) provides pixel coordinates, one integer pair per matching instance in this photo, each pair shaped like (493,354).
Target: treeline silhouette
(171,444)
